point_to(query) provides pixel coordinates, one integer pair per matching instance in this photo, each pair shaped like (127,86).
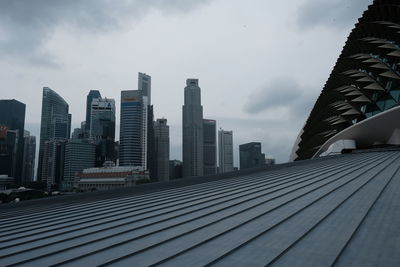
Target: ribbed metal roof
(343,210)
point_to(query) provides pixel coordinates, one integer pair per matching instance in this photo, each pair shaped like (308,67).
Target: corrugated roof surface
(343,211)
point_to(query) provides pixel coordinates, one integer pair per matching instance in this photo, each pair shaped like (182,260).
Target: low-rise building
(110,177)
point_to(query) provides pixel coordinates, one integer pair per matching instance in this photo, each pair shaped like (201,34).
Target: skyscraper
(192,124)
(161,137)
(133,129)
(251,156)
(79,155)
(225,151)
(8,151)
(12,115)
(55,125)
(29,158)
(92,95)
(210,146)
(102,129)
(144,84)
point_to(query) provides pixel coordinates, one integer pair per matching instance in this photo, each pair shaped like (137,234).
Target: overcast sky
(260,64)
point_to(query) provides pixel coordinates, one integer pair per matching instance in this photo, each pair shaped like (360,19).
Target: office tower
(79,155)
(210,146)
(102,129)
(161,137)
(251,156)
(192,124)
(55,125)
(12,115)
(151,149)
(225,151)
(8,151)
(92,95)
(29,158)
(144,84)
(133,129)
(53,163)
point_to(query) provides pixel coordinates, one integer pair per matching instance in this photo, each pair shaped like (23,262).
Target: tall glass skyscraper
(55,125)
(92,95)
(192,124)
(133,129)
(29,158)
(102,129)
(12,115)
(210,146)
(144,84)
(161,137)
(225,151)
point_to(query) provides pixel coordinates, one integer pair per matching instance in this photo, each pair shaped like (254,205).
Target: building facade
(251,156)
(110,177)
(192,132)
(102,129)
(79,155)
(161,142)
(55,125)
(364,83)
(144,85)
(225,151)
(8,151)
(12,115)
(92,95)
(133,129)
(209,146)
(28,168)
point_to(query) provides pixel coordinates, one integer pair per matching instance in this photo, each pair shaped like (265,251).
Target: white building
(110,177)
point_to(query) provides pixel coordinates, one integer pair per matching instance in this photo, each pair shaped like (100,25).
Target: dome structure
(364,82)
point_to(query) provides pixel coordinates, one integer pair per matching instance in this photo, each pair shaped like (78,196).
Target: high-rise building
(79,155)
(161,137)
(251,156)
(225,151)
(210,146)
(144,84)
(29,158)
(55,125)
(92,95)
(8,151)
(133,129)
(151,149)
(53,163)
(192,132)
(12,115)
(102,129)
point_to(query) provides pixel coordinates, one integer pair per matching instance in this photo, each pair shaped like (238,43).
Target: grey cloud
(332,13)
(26,25)
(281,92)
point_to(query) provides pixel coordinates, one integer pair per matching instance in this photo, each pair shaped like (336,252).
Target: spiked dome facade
(364,82)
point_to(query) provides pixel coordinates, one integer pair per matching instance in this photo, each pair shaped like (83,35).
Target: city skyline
(220,43)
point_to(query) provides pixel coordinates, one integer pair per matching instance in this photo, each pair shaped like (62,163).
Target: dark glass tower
(251,156)
(92,95)
(133,130)
(55,125)
(12,115)
(210,146)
